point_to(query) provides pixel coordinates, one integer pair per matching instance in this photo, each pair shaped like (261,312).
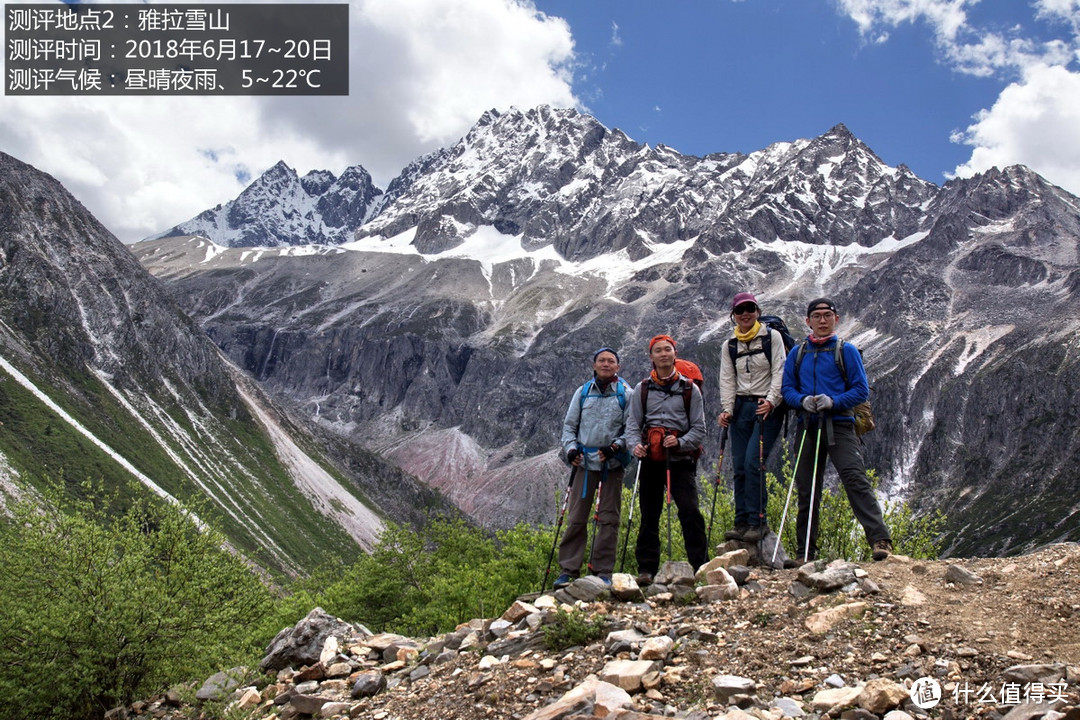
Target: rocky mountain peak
(279,208)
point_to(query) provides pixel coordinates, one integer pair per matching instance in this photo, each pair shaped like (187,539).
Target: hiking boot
(754,533)
(606,579)
(882,549)
(798,561)
(644,579)
(737,532)
(563,580)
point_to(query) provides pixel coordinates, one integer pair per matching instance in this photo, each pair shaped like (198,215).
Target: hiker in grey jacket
(592,441)
(666,433)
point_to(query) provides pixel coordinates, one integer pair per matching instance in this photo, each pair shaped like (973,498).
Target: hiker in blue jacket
(825,395)
(592,441)
(664,430)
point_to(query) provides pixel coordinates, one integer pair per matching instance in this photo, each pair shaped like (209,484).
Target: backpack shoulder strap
(766,344)
(799,354)
(687,394)
(838,355)
(733,350)
(620,392)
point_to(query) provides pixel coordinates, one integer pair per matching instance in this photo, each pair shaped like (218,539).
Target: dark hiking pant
(745,430)
(652,496)
(579,513)
(846,456)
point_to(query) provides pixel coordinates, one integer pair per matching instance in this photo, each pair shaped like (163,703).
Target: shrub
(569,629)
(100,607)
(426,582)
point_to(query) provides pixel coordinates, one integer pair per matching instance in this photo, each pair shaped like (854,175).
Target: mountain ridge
(595,240)
(110,381)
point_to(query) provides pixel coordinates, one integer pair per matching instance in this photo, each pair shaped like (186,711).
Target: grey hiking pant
(846,456)
(579,515)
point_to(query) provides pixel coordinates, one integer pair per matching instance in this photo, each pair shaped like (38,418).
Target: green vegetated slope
(221,461)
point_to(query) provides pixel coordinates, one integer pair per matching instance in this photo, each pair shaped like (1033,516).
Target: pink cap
(743,298)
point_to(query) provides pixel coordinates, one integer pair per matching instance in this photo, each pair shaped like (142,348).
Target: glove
(824,402)
(609,452)
(809,403)
(572,455)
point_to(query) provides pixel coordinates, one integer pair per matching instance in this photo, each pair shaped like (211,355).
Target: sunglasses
(748,308)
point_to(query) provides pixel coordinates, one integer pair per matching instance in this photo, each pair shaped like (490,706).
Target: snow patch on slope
(324,492)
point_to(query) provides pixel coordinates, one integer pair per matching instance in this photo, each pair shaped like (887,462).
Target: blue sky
(947,87)
(723,76)
(706,76)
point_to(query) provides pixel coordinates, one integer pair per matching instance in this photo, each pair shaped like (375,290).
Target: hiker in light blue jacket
(592,441)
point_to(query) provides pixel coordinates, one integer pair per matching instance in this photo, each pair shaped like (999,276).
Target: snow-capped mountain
(280,208)
(104,378)
(451,331)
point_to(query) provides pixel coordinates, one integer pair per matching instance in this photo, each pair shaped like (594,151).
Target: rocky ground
(1000,636)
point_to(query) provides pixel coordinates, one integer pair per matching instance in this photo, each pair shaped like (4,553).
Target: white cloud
(421,73)
(1035,122)
(964,47)
(616,39)
(946,17)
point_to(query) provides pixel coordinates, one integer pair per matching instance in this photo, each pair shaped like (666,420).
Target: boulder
(303,643)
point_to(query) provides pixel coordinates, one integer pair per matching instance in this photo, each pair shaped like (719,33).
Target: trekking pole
(630,517)
(813,487)
(783,517)
(761,486)
(667,470)
(596,515)
(562,513)
(716,486)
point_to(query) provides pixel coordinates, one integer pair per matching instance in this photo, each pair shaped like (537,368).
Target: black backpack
(773,322)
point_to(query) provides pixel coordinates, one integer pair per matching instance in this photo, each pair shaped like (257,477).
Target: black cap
(821,304)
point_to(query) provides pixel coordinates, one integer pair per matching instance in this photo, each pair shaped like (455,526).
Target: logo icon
(925,693)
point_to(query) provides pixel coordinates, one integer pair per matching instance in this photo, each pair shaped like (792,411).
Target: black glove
(572,455)
(609,452)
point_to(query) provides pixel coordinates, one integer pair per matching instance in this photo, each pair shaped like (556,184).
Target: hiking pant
(745,431)
(579,513)
(652,494)
(846,456)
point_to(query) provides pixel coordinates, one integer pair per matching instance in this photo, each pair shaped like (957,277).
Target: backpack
(864,414)
(773,322)
(689,371)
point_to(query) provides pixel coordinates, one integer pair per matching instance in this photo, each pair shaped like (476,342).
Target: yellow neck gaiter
(749,334)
